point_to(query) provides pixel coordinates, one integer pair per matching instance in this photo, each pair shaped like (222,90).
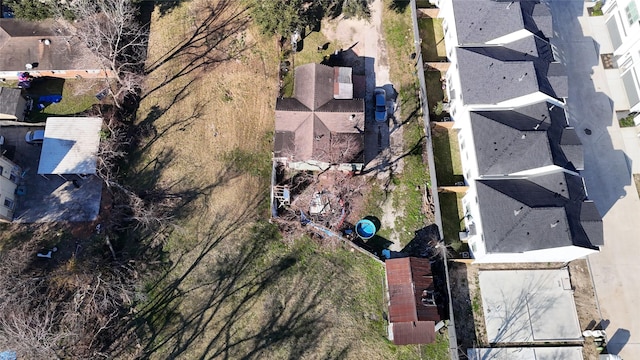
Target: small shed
(413,312)
(12,104)
(70,146)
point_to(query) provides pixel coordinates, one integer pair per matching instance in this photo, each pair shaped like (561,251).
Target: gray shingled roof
(10,101)
(572,148)
(524,138)
(490,75)
(503,149)
(480,21)
(536,213)
(485,80)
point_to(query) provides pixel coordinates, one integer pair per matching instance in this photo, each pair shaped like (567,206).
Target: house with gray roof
(490,22)
(525,200)
(502,77)
(12,104)
(521,141)
(538,218)
(322,125)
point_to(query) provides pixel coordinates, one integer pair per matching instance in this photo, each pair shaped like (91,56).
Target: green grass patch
(410,184)
(452,218)
(439,350)
(77,97)
(627,121)
(435,93)
(310,53)
(287,84)
(636,179)
(397,30)
(432,35)
(254,163)
(446,154)
(413,180)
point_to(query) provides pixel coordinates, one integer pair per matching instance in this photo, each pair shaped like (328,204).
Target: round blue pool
(365,229)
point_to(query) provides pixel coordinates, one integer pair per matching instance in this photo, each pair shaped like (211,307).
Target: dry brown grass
(234,289)
(584,296)
(206,114)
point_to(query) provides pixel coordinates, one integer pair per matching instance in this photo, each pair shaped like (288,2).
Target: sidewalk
(610,156)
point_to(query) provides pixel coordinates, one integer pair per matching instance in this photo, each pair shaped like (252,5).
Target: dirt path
(383,143)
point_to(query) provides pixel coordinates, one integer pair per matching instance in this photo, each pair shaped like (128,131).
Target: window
(632,13)
(9,203)
(626,64)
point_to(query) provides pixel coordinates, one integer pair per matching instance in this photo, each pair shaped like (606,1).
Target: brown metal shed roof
(418,332)
(410,284)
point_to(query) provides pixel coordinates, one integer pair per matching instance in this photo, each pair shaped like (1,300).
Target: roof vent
(45,41)
(555,224)
(516,212)
(352,117)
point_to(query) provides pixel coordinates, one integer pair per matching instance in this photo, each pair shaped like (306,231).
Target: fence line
(453,341)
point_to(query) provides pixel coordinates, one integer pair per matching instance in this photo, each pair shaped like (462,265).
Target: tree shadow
(224,287)
(423,242)
(388,162)
(399,6)
(216,38)
(462,306)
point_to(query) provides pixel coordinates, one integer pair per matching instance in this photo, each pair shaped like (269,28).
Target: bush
(597,9)
(438,108)
(627,121)
(30,9)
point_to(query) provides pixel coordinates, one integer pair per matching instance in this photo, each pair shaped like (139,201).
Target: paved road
(608,162)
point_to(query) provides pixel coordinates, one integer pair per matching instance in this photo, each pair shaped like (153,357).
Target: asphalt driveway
(608,162)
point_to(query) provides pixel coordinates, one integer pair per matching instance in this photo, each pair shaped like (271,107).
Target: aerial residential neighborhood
(275,179)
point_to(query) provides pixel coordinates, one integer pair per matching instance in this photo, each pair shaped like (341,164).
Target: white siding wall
(559,254)
(628,52)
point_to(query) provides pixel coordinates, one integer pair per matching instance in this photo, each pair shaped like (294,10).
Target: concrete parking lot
(608,168)
(50,198)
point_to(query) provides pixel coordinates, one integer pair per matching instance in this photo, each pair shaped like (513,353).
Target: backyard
(234,288)
(432,35)
(76,96)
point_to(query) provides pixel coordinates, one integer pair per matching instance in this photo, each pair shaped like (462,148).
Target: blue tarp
(50,98)
(8,355)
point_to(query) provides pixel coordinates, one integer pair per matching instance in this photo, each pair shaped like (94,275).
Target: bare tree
(340,148)
(60,311)
(110,29)
(129,207)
